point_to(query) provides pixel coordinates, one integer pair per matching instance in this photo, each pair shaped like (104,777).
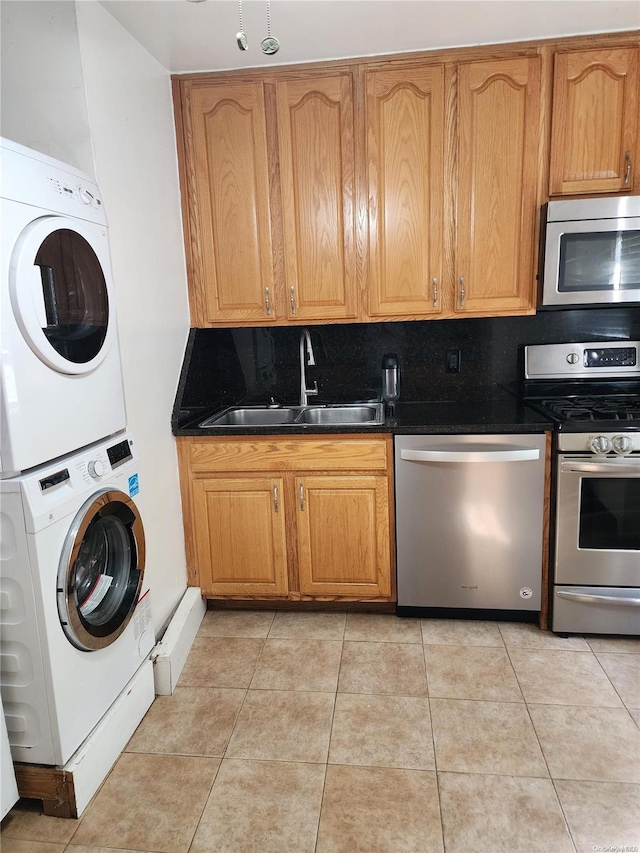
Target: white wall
(130,116)
(42,96)
(72,78)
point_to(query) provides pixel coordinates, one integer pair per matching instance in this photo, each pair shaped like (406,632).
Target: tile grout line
(433,744)
(206,802)
(326,766)
(542,752)
(617,692)
(248,687)
(224,751)
(564,816)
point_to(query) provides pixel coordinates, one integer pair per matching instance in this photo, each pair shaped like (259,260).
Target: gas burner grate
(593,408)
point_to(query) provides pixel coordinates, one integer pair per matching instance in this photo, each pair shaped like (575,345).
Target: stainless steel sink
(360,414)
(251,416)
(342,415)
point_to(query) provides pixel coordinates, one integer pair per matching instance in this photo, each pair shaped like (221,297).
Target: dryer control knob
(85,196)
(600,444)
(622,444)
(95,468)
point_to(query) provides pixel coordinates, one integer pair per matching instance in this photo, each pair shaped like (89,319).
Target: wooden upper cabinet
(316,147)
(499,133)
(404,159)
(595,121)
(228,183)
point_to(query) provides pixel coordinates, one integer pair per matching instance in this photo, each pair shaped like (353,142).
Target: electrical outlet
(452,363)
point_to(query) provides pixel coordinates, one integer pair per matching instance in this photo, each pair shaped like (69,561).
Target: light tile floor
(365,733)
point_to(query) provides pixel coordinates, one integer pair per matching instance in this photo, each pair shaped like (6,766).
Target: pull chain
(241,38)
(270,44)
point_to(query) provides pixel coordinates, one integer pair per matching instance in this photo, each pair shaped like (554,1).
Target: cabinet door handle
(292,299)
(462,291)
(302,497)
(267,301)
(627,171)
(434,282)
(276,503)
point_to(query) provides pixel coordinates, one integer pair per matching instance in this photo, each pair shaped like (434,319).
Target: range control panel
(611,357)
(608,359)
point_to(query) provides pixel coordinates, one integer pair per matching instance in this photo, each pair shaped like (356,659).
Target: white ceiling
(201,36)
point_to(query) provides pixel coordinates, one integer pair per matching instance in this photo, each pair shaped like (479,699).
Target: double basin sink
(352,414)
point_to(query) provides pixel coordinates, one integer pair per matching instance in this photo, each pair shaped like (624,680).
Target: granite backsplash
(226,366)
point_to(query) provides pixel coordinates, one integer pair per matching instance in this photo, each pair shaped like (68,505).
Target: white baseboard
(90,764)
(171,652)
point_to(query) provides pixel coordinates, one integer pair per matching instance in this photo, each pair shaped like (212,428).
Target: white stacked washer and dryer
(75,621)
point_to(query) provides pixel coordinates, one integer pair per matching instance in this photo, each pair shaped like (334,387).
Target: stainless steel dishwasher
(469,524)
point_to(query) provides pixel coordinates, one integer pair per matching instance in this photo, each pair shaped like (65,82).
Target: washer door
(60,287)
(101,570)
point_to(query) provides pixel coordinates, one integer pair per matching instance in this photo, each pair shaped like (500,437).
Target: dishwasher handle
(472,453)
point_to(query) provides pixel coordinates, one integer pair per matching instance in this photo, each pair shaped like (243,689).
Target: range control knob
(573,358)
(622,444)
(95,468)
(600,444)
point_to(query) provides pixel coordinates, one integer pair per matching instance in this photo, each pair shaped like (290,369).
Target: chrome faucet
(305,393)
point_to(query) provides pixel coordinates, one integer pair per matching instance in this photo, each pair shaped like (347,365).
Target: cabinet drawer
(312,454)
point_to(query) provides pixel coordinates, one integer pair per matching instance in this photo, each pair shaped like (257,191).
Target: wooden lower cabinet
(343,535)
(240,536)
(258,527)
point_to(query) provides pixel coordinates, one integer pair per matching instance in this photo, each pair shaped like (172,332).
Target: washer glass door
(101,570)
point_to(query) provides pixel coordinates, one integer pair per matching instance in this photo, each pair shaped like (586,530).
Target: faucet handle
(313,392)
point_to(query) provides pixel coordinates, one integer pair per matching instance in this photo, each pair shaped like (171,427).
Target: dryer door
(101,570)
(61,293)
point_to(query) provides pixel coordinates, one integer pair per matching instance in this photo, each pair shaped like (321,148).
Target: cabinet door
(240,536)
(343,535)
(316,138)
(498,145)
(231,223)
(595,119)
(405,133)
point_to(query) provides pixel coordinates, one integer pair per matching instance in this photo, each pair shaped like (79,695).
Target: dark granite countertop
(500,415)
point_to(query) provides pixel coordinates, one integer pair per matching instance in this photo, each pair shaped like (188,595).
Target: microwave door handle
(589,598)
(487,454)
(600,468)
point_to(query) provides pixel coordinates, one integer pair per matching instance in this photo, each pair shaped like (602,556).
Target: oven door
(598,521)
(592,262)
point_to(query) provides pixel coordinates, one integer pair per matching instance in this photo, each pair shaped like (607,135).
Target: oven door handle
(632,468)
(599,599)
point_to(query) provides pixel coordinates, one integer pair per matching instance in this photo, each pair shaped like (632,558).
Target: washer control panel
(96,468)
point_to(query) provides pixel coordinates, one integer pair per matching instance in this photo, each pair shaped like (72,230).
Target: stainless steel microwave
(591,252)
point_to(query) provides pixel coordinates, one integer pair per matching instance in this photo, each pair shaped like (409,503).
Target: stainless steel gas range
(592,392)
